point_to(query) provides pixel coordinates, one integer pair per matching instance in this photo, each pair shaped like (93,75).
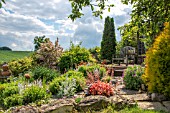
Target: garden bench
(126,53)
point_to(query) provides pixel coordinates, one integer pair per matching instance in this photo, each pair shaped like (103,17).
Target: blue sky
(22,20)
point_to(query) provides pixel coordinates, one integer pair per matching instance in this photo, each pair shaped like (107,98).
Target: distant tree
(108,44)
(38,40)
(5,48)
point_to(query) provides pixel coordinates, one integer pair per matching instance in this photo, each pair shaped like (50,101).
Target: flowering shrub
(48,54)
(101,88)
(132,77)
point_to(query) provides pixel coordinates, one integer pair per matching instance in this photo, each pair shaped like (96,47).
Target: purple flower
(134,75)
(123,74)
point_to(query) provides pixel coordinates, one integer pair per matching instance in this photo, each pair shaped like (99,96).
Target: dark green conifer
(108,44)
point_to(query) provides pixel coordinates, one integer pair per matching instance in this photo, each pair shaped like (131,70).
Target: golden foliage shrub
(157,72)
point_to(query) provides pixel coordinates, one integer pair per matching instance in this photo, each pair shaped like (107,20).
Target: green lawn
(130,110)
(6,56)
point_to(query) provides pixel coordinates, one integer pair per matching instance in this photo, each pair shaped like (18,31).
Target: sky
(22,20)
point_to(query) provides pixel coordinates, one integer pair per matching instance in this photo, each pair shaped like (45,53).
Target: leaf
(0,5)
(101,17)
(109,9)
(3,1)
(92,8)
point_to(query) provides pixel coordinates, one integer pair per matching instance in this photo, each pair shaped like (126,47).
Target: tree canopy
(77,6)
(148,16)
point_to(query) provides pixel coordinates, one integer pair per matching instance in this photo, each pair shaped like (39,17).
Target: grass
(110,109)
(6,56)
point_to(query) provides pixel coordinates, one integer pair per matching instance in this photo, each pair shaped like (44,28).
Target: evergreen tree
(108,44)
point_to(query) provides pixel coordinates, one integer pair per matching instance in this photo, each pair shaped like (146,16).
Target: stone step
(152,106)
(118,72)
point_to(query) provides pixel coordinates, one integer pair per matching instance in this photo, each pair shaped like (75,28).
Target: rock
(26,109)
(121,102)
(58,106)
(124,91)
(113,81)
(143,87)
(166,104)
(96,102)
(65,108)
(138,97)
(157,97)
(152,106)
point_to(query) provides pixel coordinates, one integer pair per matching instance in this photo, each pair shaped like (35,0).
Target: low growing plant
(34,93)
(132,77)
(13,100)
(101,88)
(67,88)
(84,69)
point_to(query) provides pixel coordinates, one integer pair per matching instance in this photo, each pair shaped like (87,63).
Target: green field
(6,56)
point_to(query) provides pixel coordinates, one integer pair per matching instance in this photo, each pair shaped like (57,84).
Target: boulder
(58,106)
(152,106)
(96,102)
(157,97)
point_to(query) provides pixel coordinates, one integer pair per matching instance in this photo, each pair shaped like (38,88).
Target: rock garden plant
(132,77)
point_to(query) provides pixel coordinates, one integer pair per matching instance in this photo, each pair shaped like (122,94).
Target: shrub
(157,72)
(10,90)
(84,69)
(67,88)
(132,77)
(13,100)
(40,72)
(80,79)
(106,79)
(56,86)
(74,56)
(48,54)
(20,65)
(34,93)
(100,88)
(92,77)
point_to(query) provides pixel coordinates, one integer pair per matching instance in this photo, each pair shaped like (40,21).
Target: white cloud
(22,20)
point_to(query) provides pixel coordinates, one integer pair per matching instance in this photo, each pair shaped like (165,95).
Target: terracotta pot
(5,67)
(5,73)
(27,76)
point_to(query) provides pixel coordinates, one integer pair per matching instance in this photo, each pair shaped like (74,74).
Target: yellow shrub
(157,72)
(20,65)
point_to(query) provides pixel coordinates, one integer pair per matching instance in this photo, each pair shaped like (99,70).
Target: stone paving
(143,99)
